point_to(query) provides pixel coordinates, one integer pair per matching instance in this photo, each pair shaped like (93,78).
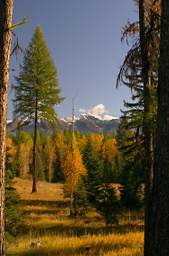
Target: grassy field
(49,230)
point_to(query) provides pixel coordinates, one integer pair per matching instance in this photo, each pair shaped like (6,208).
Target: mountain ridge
(84,123)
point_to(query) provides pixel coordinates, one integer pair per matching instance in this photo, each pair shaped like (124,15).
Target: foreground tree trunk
(6,11)
(34,172)
(161,167)
(147,134)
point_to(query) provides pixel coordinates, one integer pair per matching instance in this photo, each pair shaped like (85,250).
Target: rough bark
(34,173)
(6,12)
(147,134)
(161,167)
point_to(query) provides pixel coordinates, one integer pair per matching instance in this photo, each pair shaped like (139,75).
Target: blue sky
(84,39)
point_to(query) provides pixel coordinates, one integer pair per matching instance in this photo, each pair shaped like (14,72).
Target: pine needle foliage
(36,90)
(37,84)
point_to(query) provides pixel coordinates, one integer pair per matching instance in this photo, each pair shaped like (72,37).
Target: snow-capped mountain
(89,124)
(96,120)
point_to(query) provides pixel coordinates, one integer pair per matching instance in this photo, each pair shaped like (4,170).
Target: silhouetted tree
(161,167)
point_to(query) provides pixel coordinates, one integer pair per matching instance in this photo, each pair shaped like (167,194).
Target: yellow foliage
(105,148)
(82,142)
(11,151)
(61,147)
(97,141)
(24,156)
(110,150)
(50,150)
(73,167)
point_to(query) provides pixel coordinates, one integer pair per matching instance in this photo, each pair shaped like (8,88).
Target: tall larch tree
(73,169)
(6,12)
(161,167)
(36,89)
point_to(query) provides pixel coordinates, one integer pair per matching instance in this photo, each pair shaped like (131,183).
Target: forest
(68,192)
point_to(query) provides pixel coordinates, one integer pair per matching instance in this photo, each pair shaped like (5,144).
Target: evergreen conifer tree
(13,212)
(94,172)
(37,90)
(108,202)
(80,202)
(131,175)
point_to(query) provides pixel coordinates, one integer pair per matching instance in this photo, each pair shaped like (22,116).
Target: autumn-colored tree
(97,141)
(23,154)
(82,142)
(11,149)
(73,169)
(110,149)
(111,158)
(49,157)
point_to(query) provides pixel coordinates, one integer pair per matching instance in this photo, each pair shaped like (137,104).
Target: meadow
(49,230)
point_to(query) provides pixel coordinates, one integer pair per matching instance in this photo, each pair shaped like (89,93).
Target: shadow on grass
(42,211)
(78,227)
(68,231)
(56,204)
(88,249)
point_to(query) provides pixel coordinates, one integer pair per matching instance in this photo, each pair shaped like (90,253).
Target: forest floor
(49,230)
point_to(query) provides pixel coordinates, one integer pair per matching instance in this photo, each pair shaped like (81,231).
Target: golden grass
(109,245)
(46,191)
(47,222)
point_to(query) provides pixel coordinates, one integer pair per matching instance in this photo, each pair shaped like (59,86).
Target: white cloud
(82,110)
(109,117)
(99,111)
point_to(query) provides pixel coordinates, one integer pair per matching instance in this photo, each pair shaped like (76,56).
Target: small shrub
(108,202)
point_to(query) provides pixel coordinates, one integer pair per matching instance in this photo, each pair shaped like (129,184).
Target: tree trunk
(161,167)
(34,173)
(6,12)
(147,134)
(72,204)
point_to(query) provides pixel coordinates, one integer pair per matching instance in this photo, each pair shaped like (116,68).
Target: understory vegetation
(50,230)
(89,191)
(92,169)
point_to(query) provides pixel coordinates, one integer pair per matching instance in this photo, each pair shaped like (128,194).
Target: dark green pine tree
(36,89)
(81,202)
(94,168)
(58,175)
(13,213)
(131,175)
